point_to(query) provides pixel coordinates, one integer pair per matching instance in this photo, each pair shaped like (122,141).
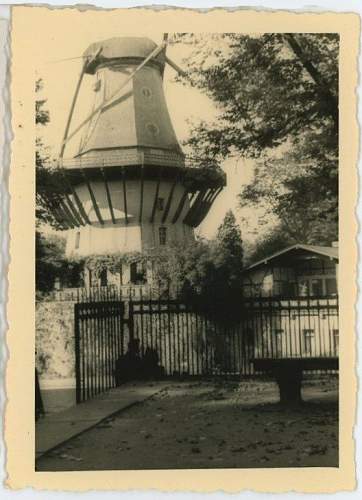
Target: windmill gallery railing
(183,339)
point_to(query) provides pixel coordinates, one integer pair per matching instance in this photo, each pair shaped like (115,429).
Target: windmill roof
(122,47)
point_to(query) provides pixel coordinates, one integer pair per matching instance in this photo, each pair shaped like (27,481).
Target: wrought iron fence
(187,339)
(99,293)
(194,341)
(99,342)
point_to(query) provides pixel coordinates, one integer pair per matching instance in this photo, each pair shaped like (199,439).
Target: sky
(60,69)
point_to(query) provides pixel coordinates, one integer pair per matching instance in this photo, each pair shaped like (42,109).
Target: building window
(138,273)
(316,287)
(267,284)
(133,272)
(162,233)
(77,240)
(331,286)
(308,341)
(160,203)
(303,288)
(103,277)
(287,289)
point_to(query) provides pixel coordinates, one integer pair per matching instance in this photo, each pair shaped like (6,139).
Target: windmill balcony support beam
(156,197)
(109,198)
(93,198)
(180,207)
(169,201)
(76,197)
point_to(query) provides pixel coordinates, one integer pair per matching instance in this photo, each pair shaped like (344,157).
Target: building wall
(189,343)
(311,331)
(278,280)
(136,235)
(54,341)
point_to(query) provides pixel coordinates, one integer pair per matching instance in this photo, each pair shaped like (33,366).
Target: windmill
(129,188)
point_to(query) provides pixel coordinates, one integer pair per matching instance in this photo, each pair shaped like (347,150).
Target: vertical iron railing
(99,343)
(190,341)
(194,341)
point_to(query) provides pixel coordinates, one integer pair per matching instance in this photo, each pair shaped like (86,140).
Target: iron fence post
(77,354)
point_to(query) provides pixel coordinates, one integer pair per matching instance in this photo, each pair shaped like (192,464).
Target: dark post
(289,376)
(39,406)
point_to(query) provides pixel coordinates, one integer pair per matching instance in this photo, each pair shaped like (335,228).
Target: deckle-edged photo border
(19,427)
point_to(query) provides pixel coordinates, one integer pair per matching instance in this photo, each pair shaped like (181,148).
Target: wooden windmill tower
(129,188)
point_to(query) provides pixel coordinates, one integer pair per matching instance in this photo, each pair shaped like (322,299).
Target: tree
(269,243)
(229,238)
(49,261)
(48,180)
(229,247)
(277,96)
(51,264)
(206,273)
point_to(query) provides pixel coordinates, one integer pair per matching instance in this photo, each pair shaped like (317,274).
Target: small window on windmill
(147,92)
(77,240)
(162,233)
(97,86)
(160,203)
(152,129)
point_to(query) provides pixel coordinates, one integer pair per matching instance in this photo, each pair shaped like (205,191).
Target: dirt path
(210,425)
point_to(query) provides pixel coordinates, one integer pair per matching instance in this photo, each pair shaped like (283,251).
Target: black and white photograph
(187,252)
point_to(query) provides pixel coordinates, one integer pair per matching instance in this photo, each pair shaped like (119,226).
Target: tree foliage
(48,179)
(206,271)
(51,264)
(277,96)
(229,239)
(269,243)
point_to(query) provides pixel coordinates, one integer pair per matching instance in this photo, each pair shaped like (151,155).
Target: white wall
(136,235)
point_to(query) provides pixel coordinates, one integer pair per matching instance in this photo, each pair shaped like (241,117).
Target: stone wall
(54,340)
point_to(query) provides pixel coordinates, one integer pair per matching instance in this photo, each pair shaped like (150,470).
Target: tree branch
(322,86)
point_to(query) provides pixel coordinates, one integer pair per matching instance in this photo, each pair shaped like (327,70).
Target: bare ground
(211,424)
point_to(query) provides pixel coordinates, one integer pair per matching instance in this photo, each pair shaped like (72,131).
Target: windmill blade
(70,116)
(175,67)
(165,41)
(170,62)
(72,106)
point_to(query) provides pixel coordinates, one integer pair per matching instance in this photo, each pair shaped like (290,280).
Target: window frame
(162,235)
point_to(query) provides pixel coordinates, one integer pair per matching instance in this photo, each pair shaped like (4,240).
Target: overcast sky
(60,73)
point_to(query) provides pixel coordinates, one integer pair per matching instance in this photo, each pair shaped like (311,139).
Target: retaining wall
(54,343)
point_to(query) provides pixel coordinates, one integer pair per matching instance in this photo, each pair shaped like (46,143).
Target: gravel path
(210,425)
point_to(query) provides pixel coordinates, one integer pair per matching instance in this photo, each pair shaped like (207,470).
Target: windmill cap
(121,48)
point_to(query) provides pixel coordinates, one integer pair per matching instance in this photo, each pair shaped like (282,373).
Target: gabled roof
(331,252)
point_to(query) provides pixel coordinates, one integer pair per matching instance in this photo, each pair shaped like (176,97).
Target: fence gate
(99,341)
